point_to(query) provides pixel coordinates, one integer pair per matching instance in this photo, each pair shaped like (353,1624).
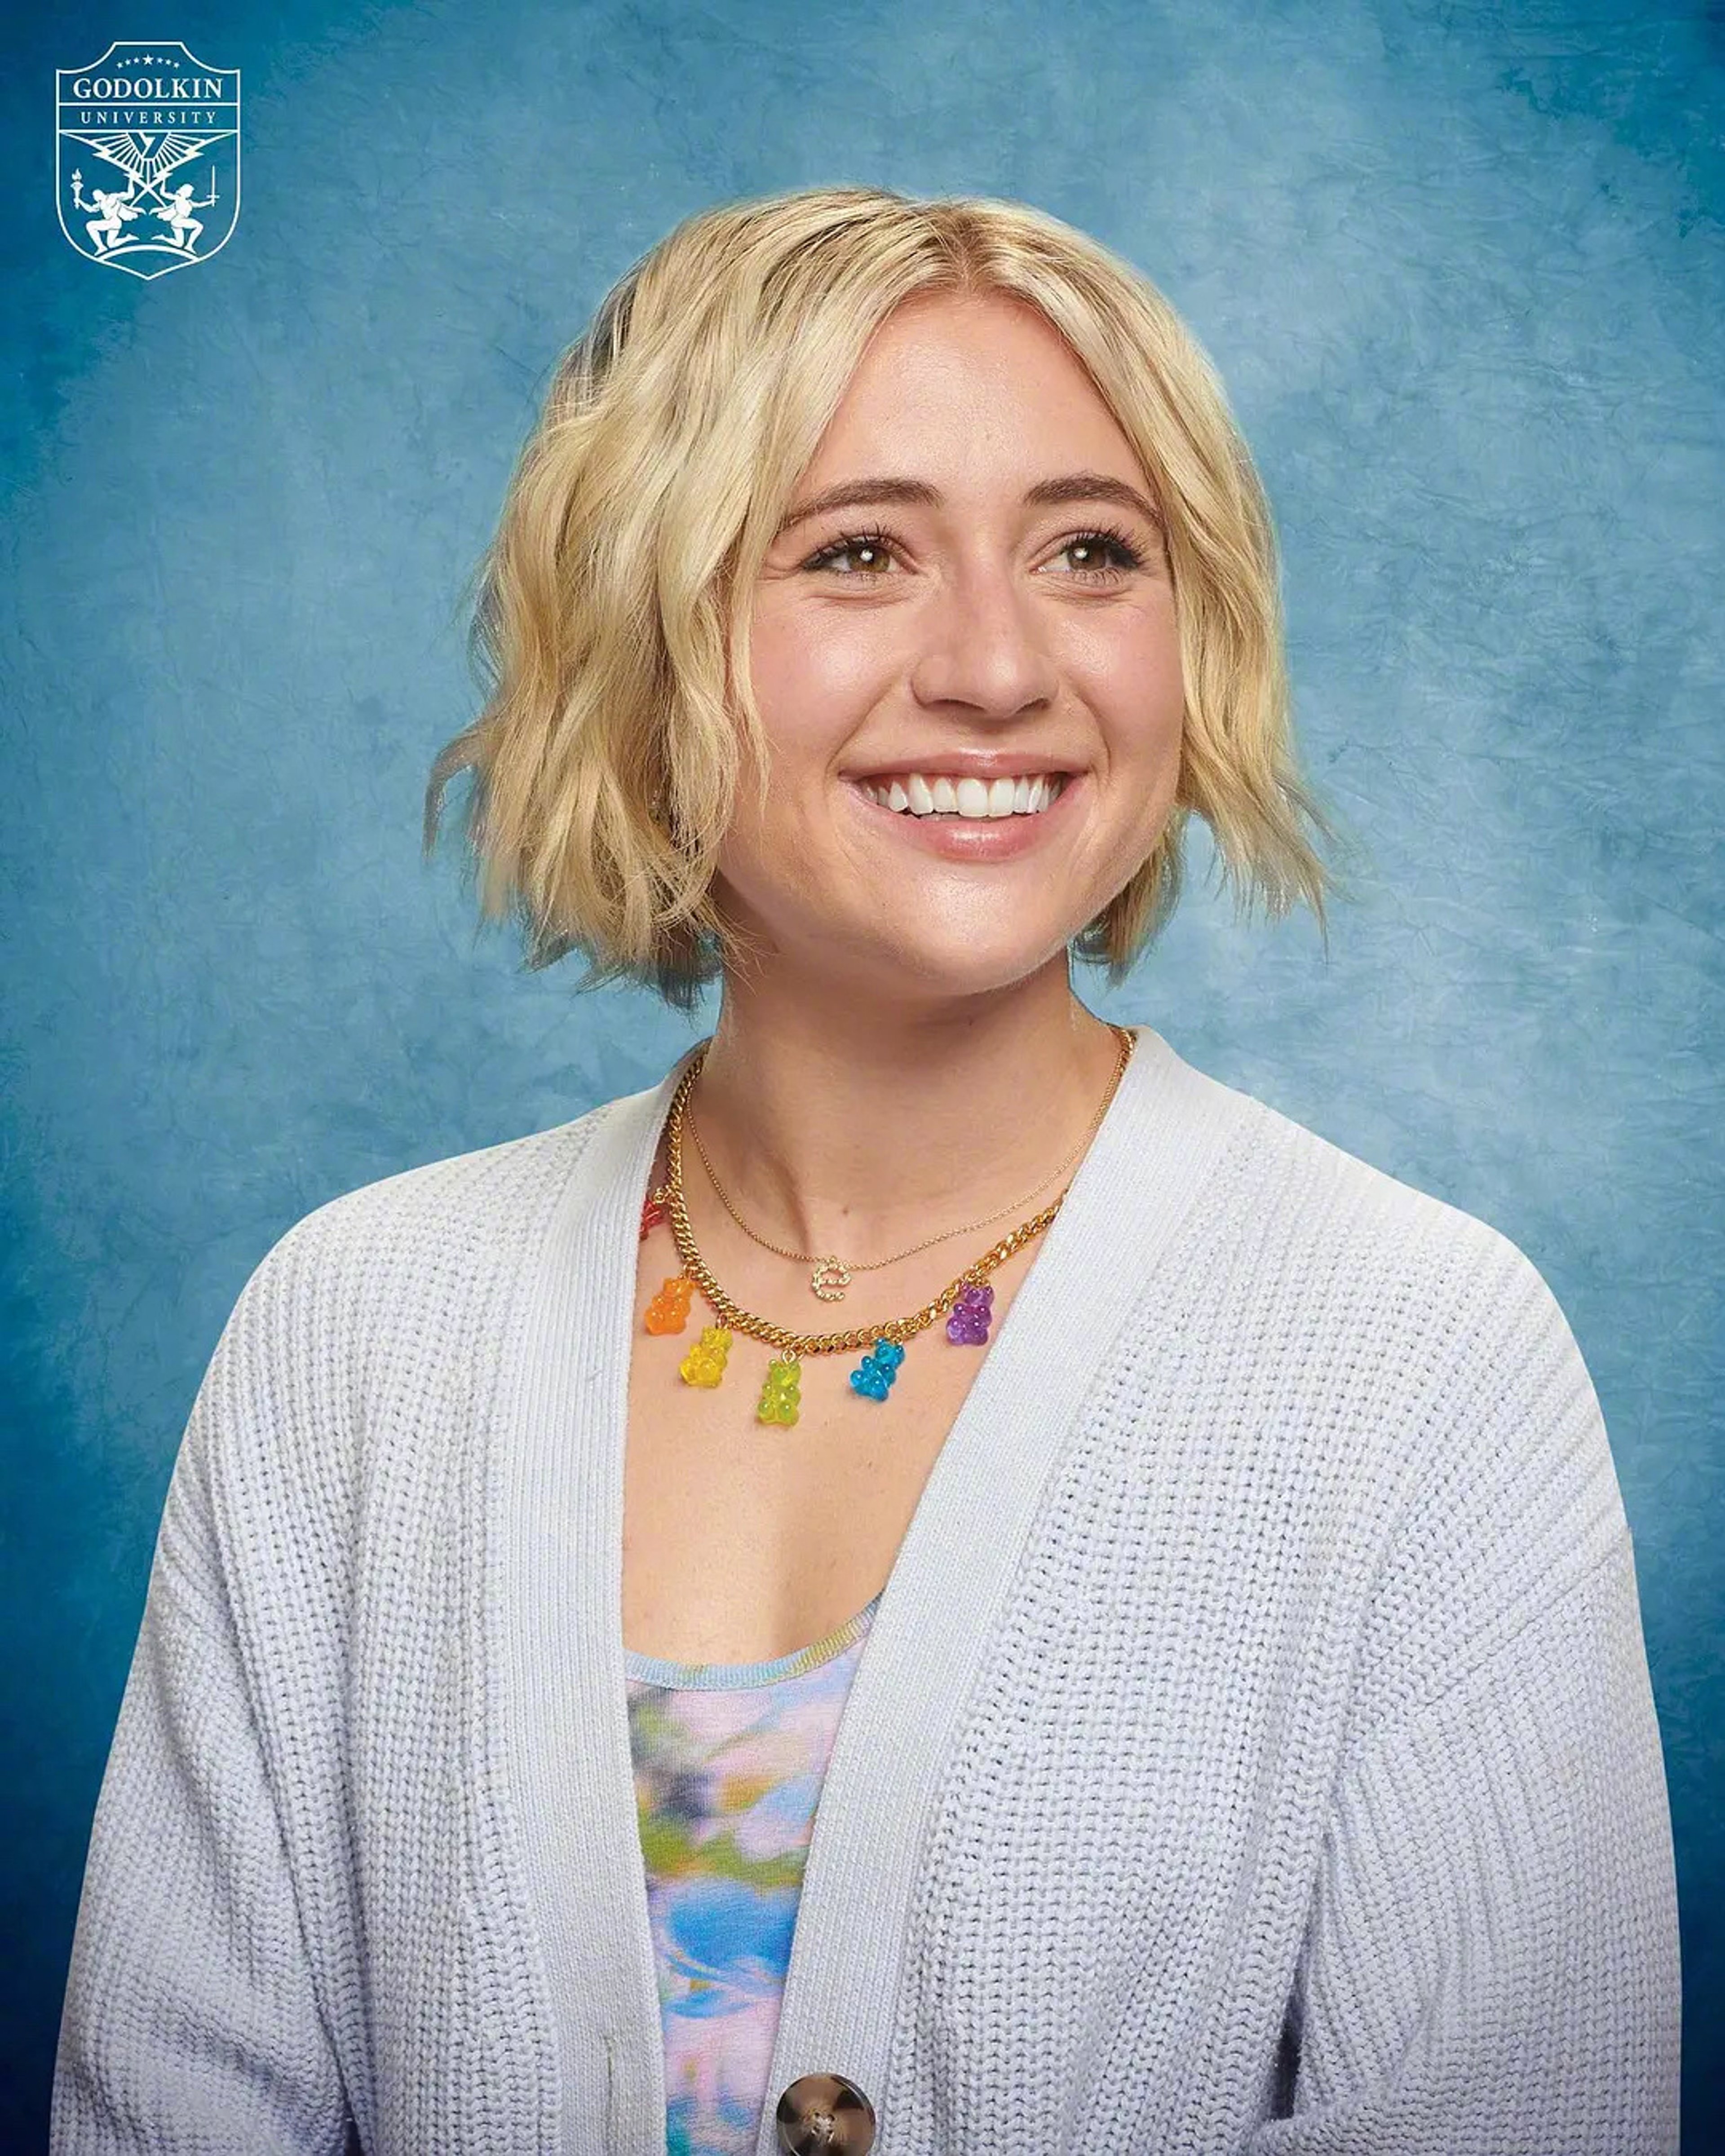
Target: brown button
(826,2114)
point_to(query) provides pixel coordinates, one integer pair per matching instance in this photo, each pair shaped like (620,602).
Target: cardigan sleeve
(1491,1967)
(1490,1963)
(190,2022)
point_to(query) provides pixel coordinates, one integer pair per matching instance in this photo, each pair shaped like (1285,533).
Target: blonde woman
(938,1580)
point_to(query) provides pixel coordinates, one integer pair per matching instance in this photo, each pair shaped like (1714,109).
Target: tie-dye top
(729,1758)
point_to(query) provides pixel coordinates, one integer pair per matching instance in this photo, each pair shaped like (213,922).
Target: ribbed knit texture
(1253,1749)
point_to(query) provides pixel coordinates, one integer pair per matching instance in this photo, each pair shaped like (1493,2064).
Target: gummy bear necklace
(966,1302)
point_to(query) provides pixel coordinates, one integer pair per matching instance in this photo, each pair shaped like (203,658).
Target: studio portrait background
(1461,270)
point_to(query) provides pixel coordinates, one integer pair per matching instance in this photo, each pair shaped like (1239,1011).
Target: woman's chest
(746,1538)
(743,1541)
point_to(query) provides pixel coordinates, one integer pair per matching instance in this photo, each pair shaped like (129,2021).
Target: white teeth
(976,799)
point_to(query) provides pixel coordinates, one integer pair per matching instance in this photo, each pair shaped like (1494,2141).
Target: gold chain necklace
(832,1274)
(967,1301)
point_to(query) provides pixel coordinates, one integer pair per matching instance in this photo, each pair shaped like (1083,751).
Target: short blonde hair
(613,607)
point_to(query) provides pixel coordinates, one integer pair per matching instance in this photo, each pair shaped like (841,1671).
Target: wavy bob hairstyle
(612,621)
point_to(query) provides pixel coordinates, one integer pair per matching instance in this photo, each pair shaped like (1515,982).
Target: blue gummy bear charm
(874,1375)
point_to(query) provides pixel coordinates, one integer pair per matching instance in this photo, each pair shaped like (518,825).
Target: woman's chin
(977,959)
(877,946)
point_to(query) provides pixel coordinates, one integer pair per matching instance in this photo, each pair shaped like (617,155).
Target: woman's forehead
(965,385)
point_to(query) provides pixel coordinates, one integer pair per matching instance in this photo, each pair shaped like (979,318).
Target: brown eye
(871,549)
(1102,554)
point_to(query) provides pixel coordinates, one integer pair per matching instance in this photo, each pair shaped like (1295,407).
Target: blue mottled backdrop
(1461,267)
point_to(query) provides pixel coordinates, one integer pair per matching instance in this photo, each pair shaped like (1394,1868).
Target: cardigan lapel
(556,1545)
(1164,1129)
(555,1540)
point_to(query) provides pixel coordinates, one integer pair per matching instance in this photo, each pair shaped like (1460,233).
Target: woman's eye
(870,551)
(1101,553)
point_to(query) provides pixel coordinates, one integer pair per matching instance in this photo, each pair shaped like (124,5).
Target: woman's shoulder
(438,1241)
(1426,1324)
(1332,1221)
(379,1306)
(464,1209)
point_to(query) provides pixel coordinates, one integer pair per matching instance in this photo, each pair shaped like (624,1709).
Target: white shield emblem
(147,157)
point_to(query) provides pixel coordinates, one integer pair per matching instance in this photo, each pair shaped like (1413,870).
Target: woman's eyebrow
(1047,493)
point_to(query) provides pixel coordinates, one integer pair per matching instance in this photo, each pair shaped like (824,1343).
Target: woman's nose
(982,643)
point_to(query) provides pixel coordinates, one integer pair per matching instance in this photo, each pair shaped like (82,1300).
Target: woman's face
(992,598)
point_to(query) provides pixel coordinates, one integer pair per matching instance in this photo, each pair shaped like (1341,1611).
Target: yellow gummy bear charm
(705,1363)
(782,1393)
(669,1309)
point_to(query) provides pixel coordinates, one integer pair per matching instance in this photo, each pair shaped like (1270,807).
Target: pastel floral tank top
(729,1758)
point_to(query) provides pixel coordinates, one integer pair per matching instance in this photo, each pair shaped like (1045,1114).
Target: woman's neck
(859,1131)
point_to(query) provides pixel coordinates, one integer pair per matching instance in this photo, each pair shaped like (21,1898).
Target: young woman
(938,1580)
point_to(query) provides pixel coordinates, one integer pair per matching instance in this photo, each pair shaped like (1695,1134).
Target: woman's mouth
(977,800)
(970,820)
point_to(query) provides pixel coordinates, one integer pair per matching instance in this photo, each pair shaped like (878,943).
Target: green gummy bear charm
(782,1393)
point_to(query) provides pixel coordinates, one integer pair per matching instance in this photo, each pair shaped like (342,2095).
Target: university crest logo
(125,127)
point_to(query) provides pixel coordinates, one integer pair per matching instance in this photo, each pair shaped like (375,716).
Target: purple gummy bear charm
(972,1313)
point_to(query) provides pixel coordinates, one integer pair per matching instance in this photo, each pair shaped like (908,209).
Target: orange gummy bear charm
(669,1309)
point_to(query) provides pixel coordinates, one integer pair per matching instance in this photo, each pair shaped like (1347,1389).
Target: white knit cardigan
(1254,1750)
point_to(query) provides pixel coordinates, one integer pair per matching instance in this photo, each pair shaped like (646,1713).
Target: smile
(977,800)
